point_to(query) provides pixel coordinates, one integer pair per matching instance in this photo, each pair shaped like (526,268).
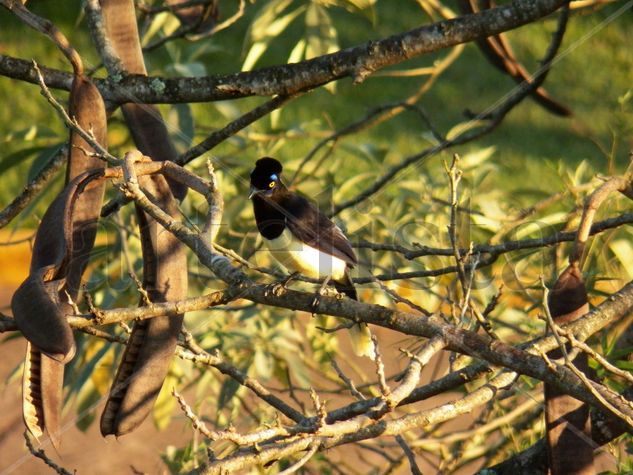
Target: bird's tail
(360,335)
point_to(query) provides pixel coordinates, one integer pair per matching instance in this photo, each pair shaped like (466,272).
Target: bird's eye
(271,184)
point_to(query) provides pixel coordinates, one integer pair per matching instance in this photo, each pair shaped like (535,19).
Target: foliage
(531,157)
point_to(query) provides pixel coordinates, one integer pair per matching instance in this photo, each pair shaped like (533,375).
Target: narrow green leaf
(17,158)
(262,33)
(42,159)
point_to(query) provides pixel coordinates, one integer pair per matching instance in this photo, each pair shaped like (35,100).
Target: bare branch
(415,470)
(504,247)
(72,123)
(47,28)
(34,187)
(40,454)
(592,204)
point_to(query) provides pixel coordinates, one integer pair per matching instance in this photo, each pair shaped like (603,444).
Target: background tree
(365,104)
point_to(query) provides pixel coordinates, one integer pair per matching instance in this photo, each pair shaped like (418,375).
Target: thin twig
(454,177)
(592,203)
(72,123)
(47,28)
(233,127)
(40,454)
(302,461)
(38,184)
(239,13)
(196,423)
(348,382)
(599,391)
(399,298)
(415,470)
(574,342)
(385,391)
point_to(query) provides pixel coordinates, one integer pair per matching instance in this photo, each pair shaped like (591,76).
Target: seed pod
(152,343)
(569,444)
(62,247)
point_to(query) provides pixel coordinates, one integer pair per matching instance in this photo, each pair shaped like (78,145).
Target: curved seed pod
(62,247)
(64,238)
(40,304)
(148,354)
(42,394)
(498,52)
(568,426)
(87,107)
(151,345)
(32,409)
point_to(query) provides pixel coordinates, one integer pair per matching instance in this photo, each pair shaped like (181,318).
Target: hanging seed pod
(152,343)
(62,247)
(568,426)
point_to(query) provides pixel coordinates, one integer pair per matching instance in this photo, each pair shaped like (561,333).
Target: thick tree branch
(356,62)
(493,351)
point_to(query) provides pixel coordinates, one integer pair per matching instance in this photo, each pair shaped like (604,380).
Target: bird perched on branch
(303,239)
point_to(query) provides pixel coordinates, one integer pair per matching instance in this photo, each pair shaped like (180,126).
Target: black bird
(303,239)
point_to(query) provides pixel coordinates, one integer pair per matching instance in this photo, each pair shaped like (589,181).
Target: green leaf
(299,371)
(464,127)
(182,126)
(164,21)
(42,159)
(93,353)
(261,27)
(165,402)
(476,158)
(228,390)
(26,135)
(266,27)
(192,69)
(297,52)
(320,33)
(321,36)
(18,158)
(365,7)
(344,190)
(227,109)
(263,364)
(88,400)
(623,251)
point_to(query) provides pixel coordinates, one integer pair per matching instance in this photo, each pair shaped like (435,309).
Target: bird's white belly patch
(297,256)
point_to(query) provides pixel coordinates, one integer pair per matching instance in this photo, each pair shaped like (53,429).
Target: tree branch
(357,62)
(34,187)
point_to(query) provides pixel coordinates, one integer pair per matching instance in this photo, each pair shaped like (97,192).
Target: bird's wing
(311,226)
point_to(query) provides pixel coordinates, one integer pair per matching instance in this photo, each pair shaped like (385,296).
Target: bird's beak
(252,192)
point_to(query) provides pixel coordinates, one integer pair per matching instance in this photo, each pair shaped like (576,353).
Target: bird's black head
(266,177)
